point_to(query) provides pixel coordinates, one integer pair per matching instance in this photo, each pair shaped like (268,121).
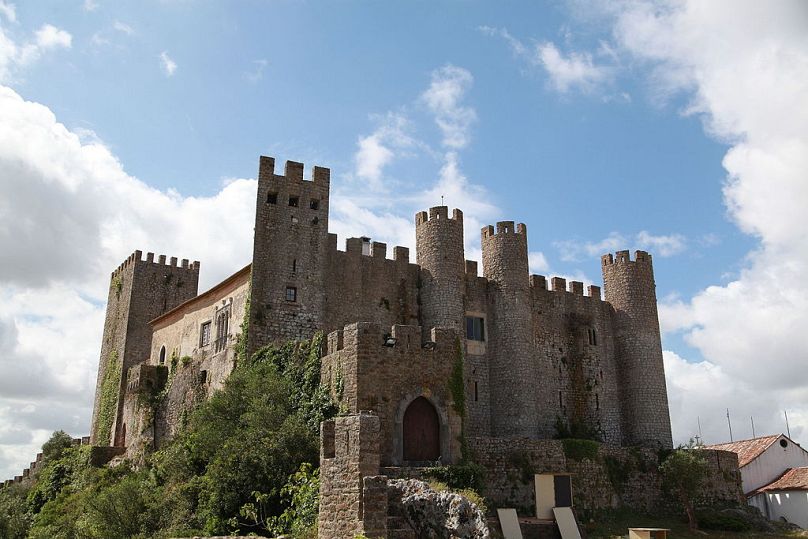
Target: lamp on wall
(389,340)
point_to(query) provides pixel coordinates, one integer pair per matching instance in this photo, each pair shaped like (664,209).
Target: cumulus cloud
(744,69)
(123,28)
(90,5)
(169,66)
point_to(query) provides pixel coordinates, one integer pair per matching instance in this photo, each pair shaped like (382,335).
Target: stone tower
(439,246)
(139,291)
(514,406)
(630,289)
(287,298)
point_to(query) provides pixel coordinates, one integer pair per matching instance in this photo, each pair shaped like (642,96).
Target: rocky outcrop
(433,514)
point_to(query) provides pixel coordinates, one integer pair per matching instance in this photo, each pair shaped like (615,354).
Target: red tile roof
(792,479)
(747,450)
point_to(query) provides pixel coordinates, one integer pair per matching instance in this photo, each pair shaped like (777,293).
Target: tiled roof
(747,450)
(792,479)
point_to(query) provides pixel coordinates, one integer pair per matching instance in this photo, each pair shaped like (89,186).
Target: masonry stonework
(532,358)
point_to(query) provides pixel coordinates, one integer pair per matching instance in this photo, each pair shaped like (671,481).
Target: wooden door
(421,432)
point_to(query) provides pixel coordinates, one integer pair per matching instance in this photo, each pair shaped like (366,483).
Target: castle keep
(435,351)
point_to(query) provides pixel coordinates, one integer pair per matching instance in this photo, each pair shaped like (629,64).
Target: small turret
(439,246)
(630,289)
(513,369)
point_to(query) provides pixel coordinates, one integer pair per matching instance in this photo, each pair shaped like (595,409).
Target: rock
(438,515)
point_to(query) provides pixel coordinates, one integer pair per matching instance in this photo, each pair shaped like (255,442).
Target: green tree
(54,448)
(683,474)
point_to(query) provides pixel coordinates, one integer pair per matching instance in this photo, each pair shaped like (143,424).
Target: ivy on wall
(107,405)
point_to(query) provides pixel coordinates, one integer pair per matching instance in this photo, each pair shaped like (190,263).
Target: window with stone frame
(291,293)
(222,328)
(475,328)
(204,334)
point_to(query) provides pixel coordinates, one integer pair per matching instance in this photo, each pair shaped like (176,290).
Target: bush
(580,449)
(459,476)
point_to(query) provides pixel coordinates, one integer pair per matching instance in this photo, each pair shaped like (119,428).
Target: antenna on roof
(753,426)
(729,422)
(698,420)
(441,200)
(788,431)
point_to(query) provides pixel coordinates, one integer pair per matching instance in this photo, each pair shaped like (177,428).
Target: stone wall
(353,497)
(365,375)
(615,477)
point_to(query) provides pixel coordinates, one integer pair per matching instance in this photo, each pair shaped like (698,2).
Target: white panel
(566,523)
(545,496)
(509,523)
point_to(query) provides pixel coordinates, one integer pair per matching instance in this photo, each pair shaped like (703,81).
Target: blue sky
(670,126)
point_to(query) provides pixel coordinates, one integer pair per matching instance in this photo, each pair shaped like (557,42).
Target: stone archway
(421,432)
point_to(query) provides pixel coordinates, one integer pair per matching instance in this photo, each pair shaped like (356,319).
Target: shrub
(580,449)
(459,476)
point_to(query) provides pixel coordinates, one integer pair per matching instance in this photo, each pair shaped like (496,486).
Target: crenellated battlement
(372,249)
(438,213)
(623,257)
(37,463)
(504,227)
(137,258)
(292,173)
(559,284)
(368,335)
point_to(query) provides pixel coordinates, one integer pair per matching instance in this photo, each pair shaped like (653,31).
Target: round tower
(439,252)
(629,288)
(513,373)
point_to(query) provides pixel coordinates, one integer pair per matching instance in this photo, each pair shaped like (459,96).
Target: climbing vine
(108,399)
(458,390)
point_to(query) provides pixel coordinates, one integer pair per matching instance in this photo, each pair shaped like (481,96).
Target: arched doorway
(421,432)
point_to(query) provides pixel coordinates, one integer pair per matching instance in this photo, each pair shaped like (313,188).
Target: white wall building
(774,474)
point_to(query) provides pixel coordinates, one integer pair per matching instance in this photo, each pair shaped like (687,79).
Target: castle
(534,360)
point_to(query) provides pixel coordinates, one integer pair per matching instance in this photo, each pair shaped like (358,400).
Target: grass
(617,523)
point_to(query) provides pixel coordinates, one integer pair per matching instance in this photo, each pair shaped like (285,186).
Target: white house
(774,474)
(785,498)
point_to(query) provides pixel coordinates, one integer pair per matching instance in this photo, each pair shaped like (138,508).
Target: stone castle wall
(365,375)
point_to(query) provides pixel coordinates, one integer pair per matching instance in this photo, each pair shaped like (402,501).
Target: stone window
(314,204)
(272,198)
(597,402)
(592,336)
(476,394)
(222,328)
(163,355)
(291,293)
(475,328)
(294,201)
(294,265)
(204,334)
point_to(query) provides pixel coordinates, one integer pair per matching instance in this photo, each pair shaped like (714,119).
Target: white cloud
(50,37)
(123,28)
(574,70)
(8,10)
(391,139)
(444,99)
(659,245)
(14,56)
(538,262)
(257,72)
(169,66)
(571,71)
(90,5)
(748,81)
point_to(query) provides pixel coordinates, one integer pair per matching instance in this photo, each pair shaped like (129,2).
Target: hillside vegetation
(246,462)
